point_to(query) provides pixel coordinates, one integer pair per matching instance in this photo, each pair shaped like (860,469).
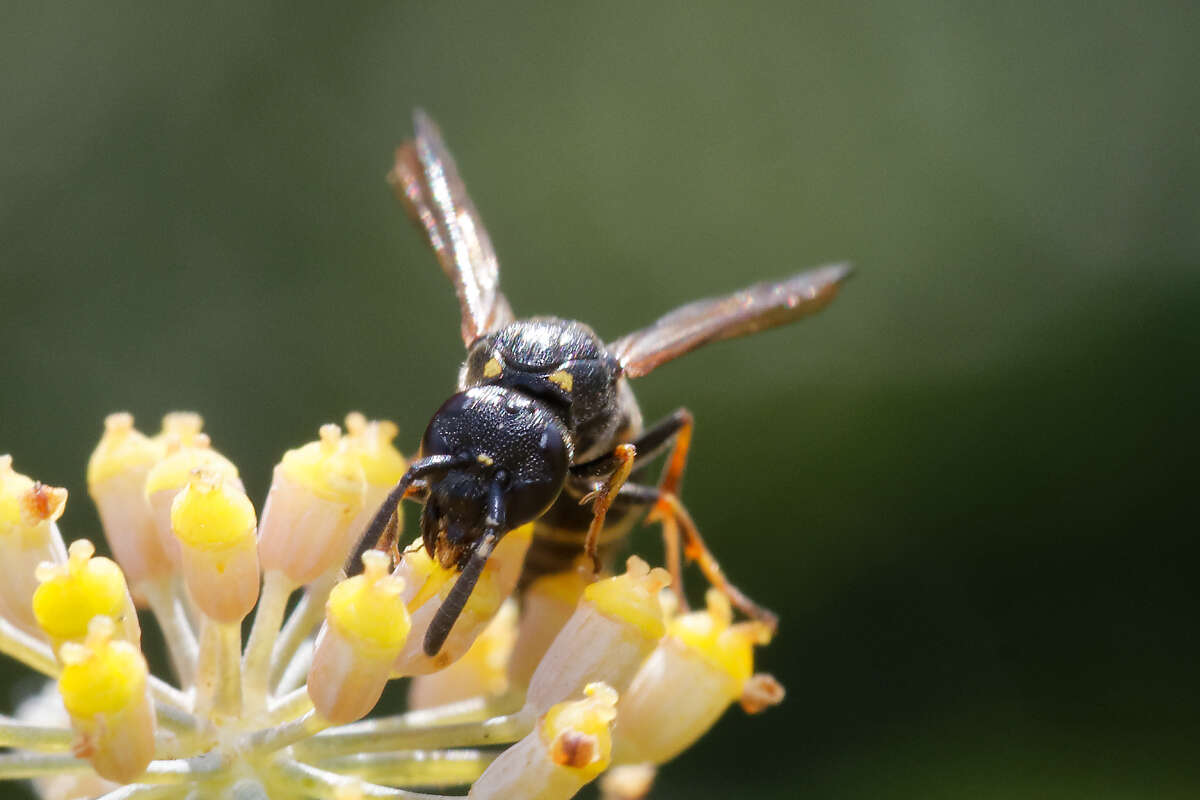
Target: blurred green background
(968,486)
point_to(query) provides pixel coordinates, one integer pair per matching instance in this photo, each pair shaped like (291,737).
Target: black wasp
(544,426)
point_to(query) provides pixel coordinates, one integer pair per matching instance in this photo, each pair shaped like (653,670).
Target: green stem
(218,672)
(306,616)
(256,666)
(290,706)
(414,768)
(30,651)
(373,736)
(143,791)
(43,738)
(16,766)
(310,781)
(281,736)
(168,610)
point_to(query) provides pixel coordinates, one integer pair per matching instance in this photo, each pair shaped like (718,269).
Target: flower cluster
(530,697)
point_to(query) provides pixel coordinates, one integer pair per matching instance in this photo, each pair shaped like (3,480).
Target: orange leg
(669,484)
(672,477)
(674,431)
(696,550)
(601,498)
(671,544)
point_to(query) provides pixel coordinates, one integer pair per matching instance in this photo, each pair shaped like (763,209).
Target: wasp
(544,426)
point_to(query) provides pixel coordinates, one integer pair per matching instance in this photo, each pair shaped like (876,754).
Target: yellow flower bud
(628,782)
(433,583)
(179,429)
(104,689)
(570,746)
(316,491)
(697,671)
(545,607)
(116,477)
(187,451)
(28,537)
(214,522)
(366,624)
(482,671)
(370,441)
(71,595)
(618,622)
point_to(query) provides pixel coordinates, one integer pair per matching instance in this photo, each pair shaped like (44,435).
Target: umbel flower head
(531,696)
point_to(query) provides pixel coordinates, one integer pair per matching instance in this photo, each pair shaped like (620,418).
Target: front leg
(674,432)
(601,498)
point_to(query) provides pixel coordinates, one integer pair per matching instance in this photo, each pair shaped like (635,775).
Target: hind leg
(679,521)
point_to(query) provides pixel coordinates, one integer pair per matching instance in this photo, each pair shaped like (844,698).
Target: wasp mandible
(544,427)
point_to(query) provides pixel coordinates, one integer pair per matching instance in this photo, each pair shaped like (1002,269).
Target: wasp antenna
(417,470)
(450,609)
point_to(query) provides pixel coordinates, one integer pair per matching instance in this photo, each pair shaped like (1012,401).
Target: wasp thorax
(561,362)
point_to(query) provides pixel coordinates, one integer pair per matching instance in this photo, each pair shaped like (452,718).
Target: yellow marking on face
(562,379)
(492,368)
(484,459)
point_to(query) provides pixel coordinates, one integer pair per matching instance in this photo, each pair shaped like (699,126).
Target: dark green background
(968,487)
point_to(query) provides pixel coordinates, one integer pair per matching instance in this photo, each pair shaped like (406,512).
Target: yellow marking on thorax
(562,379)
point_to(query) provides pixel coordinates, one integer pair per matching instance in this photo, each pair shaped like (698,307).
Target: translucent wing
(753,309)
(427,182)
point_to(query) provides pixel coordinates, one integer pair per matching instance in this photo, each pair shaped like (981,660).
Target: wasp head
(510,459)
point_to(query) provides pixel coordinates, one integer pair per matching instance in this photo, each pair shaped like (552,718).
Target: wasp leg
(672,550)
(602,497)
(695,549)
(650,445)
(672,475)
(391,534)
(674,432)
(680,425)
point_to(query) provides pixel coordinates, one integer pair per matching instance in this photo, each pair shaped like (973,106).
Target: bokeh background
(969,486)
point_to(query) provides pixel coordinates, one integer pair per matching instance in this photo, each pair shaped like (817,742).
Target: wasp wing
(426,181)
(753,309)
